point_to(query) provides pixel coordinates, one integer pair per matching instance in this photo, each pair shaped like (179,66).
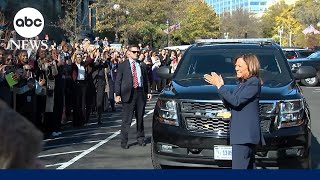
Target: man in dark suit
(132,89)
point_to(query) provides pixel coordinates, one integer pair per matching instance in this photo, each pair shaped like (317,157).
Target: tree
(197,21)
(71,23)
(146,21)
(239,23)
(307,11)
(286,21)
(268,19)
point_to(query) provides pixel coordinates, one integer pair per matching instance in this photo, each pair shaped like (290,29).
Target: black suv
(189,126)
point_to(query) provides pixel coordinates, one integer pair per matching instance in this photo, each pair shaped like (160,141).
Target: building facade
(253,6)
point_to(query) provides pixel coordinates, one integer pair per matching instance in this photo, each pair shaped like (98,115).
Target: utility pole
(280,31)
(167,23)
(290,39)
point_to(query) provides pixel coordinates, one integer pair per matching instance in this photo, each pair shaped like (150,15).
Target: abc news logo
(28,23)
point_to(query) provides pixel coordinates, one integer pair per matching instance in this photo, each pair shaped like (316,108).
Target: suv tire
(311,82)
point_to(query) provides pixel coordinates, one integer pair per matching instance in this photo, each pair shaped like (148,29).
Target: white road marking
(67,164)
(63,153)
(75,136)
(52,165)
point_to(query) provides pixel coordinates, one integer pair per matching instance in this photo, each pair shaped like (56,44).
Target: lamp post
(116,7)
(226,35)
(167,23)
(280,31)
(125,34)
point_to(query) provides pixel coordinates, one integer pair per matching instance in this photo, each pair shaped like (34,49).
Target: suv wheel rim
(310,80)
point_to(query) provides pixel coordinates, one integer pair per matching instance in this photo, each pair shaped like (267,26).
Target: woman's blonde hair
(252,62)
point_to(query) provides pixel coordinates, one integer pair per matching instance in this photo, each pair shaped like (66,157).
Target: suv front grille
(199,117)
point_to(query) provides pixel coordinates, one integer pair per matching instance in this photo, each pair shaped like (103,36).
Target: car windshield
(274,70)
(315,55)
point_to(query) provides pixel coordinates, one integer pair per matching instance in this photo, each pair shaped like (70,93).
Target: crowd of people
(69,82)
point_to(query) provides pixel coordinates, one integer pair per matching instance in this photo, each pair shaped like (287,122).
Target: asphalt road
(98,146)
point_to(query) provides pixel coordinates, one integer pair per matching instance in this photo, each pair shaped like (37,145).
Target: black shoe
(124,146)
(142,144)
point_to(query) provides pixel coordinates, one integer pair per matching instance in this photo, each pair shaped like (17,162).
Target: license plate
(222,152)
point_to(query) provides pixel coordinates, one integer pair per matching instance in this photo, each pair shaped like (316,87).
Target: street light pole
(280,34)
(290,39)
(116,7)
(167,23)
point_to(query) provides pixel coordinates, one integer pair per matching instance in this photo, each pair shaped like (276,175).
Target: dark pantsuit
(135,105)
(100,96)
(58,104)
(90,98)
(79,112)
(243,156)
(69,95)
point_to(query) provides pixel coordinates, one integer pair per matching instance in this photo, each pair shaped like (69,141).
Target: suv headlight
(290,113)
(295,66)
(168,112)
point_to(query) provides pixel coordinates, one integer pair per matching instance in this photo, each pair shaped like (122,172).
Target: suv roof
(225,41)
(182,47)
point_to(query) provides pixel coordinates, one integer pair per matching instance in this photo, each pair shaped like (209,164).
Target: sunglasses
(135,52)
(27,69)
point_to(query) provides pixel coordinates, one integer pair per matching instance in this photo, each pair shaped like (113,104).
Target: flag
(172,28)
(310,29)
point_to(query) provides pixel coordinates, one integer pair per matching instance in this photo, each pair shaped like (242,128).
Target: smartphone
(9,78)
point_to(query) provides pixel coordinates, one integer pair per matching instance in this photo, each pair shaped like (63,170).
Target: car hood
(201,90)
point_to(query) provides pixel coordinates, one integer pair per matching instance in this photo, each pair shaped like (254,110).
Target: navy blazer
(124,81)
(244,104)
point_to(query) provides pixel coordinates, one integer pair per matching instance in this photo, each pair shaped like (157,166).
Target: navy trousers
(243,156)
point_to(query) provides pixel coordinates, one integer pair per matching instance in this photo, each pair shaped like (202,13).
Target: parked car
(188,129)
(312,60)
(292,52)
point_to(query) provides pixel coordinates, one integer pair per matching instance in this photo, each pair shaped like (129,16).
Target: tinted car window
(290,54)
(199,62)
(304,54)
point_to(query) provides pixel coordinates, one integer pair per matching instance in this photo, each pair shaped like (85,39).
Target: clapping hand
(118,99)
(214,79)
(42,82)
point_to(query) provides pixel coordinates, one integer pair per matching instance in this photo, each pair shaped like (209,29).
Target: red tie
(134,74)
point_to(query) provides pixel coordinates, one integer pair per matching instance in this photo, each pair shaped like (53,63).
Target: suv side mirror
(305,72)
(164,72)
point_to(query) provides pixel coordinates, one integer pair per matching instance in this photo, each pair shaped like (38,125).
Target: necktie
(134,74)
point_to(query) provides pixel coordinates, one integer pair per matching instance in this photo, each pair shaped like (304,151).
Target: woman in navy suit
(245,130)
